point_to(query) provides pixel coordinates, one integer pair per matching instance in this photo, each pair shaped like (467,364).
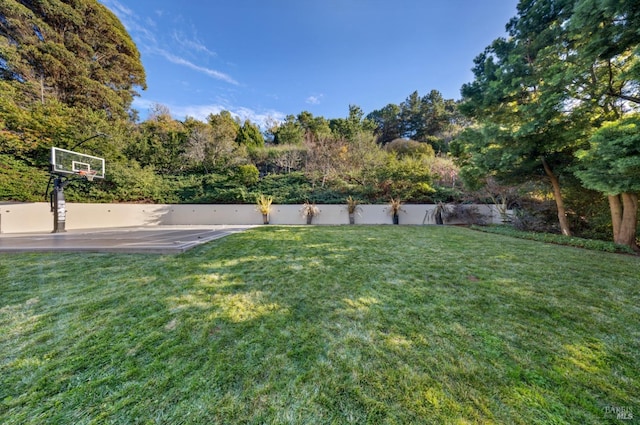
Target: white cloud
(314,100)
(192,44)
(147,40)
(201,112)
(208,71)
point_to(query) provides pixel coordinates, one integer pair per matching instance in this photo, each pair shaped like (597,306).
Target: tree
(520,94)
(249,135)
(388,123)
(605,37)
(290,132)
(314,127)
(351,127)
(161,142)
(218,142)
(612,165)
(76,52)
(430,119)
(325,158)
(568,66)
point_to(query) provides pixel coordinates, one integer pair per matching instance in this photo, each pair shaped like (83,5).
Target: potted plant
(440,212)
(352,208)
(395,206)
(264,207)
(309,210)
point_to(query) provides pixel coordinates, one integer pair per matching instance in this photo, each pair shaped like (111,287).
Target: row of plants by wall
(440,214)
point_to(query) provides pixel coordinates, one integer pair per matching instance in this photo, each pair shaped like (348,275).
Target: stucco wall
(37,217)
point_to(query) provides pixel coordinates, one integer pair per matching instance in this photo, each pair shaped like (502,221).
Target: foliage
(352,205)
(554,238)
(246,174)
(249,135)
(565,68)
(76,52)
(404,147)
(352,127)
(289,132)
(393,324)
(160,144)
(309,209)
(395,206)
(612,163)
(278,159)
(408,178)
(264,203)
(612,166)
(431,119)
(20,182)
(291,188)
(133,183)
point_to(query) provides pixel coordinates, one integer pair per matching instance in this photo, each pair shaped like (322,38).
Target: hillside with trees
(549,125)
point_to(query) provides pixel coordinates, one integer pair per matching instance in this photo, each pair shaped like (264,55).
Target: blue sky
(262,59)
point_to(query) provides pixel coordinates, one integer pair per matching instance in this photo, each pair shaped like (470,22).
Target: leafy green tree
(224,125)
(161,142)
(314,127)
(351,127)
(607,49)
(568,66)
(612,166)
(407,178)
(290,132)
(388,123)
(431,119)
(250,135)
(212,146)
(76,52)
(519,96)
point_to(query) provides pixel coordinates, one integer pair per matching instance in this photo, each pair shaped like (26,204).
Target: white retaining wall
(37,217)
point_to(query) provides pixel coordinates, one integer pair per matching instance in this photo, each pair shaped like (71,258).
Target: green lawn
(320,325)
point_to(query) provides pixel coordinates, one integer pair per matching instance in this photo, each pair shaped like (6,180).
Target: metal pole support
(59,206)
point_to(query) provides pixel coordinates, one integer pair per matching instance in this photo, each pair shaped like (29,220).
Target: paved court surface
(156,239)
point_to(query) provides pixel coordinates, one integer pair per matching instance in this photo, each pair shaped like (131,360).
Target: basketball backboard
(65,162)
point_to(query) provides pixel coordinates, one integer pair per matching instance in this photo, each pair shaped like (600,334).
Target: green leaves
(76,53)
(612,163)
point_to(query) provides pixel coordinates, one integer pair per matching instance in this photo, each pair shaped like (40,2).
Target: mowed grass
(323,325)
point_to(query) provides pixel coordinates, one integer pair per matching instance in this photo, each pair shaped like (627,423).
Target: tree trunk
(555,183)
(615,205)
(629,224)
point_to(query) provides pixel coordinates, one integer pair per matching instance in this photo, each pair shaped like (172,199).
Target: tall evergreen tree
(74,51)
(249,135)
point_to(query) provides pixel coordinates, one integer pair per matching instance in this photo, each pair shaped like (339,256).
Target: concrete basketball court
(142,240)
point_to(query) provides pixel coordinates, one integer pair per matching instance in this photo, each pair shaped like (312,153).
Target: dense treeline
(549,124)
(558,100)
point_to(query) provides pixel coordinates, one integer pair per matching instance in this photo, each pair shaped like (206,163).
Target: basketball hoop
(87,174)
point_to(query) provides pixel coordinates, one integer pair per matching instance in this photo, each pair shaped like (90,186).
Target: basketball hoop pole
(58,205)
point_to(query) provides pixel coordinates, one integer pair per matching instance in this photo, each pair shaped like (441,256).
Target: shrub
(247,174)
(595,245)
